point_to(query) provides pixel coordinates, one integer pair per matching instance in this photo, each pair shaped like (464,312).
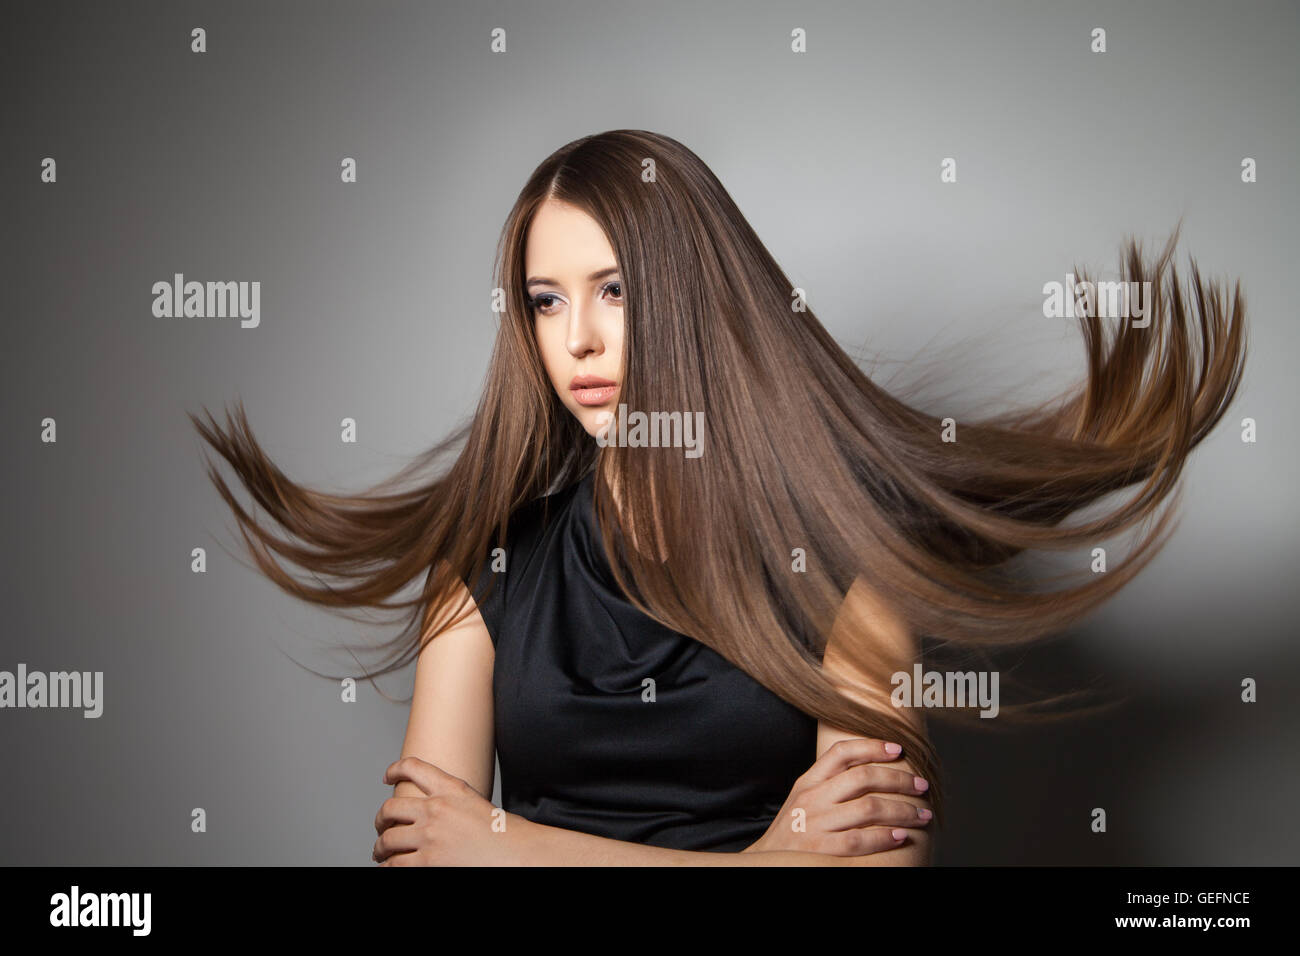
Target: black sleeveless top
(702,759)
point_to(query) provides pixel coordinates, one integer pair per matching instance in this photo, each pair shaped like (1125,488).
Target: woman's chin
(597,428)
(596,420)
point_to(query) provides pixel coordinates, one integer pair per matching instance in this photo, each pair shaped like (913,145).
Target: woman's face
(572,279)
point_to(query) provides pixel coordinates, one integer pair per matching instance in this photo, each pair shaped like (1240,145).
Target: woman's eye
(543,303)
(546,302)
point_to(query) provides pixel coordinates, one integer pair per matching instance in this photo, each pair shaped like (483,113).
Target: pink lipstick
(592,389)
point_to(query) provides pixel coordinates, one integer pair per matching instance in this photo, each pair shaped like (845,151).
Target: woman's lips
(592,389)
(595,395)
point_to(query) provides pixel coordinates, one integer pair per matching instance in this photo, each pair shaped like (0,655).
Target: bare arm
(541,845)
(451,727)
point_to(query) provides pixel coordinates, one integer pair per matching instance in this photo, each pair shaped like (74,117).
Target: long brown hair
(803,451)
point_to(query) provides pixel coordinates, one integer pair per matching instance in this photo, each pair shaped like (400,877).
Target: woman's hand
(843,812)
(452,825)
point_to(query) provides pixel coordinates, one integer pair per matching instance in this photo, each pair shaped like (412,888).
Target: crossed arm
(448,756)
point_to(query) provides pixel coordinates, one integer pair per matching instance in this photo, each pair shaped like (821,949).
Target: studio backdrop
(922,172)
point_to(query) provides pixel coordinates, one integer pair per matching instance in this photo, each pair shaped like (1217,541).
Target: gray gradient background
(225,166)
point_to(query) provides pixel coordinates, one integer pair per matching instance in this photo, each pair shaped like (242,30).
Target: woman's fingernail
(893,749)
(920,783)
(898,834)
(923,813)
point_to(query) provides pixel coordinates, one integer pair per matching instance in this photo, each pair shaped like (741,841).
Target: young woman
(681,638)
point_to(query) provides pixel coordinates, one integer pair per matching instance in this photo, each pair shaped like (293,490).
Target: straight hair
(806,456)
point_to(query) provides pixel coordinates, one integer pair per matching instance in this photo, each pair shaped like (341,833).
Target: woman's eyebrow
(598,274)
